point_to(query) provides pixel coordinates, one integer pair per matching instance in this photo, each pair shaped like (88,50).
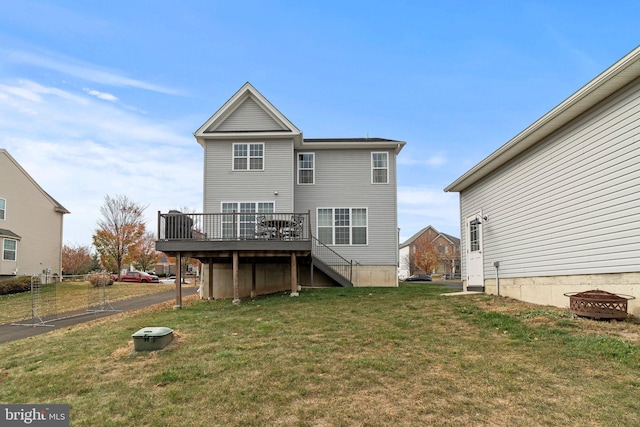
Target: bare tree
(450,259)
(119,231)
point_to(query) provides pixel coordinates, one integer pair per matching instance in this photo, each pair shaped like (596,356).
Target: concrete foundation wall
(270,278)
(375,275)
(276,277)
(550,290)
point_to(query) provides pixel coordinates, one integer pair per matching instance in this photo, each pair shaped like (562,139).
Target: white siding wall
(343,180)
(570,205)
(221,183)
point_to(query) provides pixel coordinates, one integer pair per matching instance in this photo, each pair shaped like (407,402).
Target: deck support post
(210,278)
(311,271)
(294,275)
(253,279)
(178,304)
(236,290)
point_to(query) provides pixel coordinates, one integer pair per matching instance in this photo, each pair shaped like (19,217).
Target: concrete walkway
(10,332)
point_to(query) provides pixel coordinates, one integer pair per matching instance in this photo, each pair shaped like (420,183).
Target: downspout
(497,265)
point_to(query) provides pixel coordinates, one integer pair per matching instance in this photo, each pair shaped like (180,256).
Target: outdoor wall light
(275,192)
(477,221)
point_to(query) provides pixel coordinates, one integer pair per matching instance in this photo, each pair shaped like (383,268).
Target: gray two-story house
(282,211)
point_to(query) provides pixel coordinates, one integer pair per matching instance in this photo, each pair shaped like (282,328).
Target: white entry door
(474,251)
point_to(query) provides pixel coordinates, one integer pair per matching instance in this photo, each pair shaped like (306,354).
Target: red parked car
(139,276)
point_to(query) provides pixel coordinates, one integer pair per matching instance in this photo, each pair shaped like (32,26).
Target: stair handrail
(337,262)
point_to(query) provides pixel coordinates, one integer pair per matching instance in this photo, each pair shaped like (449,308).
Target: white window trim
(3,250)
(333,225)
(248,157)
(372,167)
(237,203)
(4,210)
(313,169)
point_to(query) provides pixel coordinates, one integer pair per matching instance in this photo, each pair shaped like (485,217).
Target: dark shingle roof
(349,140)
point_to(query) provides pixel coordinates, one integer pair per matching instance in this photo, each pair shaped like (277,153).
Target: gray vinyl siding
(249,116)
(223,184)
(570,205)
(343,180)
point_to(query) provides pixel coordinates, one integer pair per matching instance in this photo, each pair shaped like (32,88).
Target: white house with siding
(557,209)
(31,223)
(281,210)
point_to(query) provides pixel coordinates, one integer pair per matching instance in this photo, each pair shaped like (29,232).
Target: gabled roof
(247,113)
(410,240)
(611,80)
(454,240)
(56,206)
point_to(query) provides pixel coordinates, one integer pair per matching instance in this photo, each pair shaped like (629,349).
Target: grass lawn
(337,357)
(70,296)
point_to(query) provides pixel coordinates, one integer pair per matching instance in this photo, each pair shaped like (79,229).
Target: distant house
(557,209)
(283,211)
(30,223)
(447,247)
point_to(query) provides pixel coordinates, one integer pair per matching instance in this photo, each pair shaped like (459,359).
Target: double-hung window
(248,156)
(380,168)
(242,225)
(3,208)
(306,168)
(342,226)
(9,249)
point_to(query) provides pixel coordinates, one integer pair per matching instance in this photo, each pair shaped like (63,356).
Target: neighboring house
(282,211)
(165,266)
(557,209)
(30,223)
(447,247)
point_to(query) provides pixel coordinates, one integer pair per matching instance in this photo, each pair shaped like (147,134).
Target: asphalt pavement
(12,332)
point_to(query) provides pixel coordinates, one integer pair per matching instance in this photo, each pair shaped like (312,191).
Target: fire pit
(598,304)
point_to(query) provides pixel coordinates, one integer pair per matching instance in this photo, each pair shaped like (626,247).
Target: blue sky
(102,98)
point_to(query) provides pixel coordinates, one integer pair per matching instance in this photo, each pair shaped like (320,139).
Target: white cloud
(80,149)
(433,160)
(101,95)
(80,69)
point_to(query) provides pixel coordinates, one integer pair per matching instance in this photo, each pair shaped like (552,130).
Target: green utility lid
(158,331)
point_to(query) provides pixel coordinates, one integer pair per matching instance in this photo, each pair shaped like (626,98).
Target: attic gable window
(380,168)
(3,208)
(248,156)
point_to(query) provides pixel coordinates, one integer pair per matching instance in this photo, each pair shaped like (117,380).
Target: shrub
(15,285)
(100,279)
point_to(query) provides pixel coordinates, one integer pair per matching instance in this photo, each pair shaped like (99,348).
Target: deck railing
(234,226)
